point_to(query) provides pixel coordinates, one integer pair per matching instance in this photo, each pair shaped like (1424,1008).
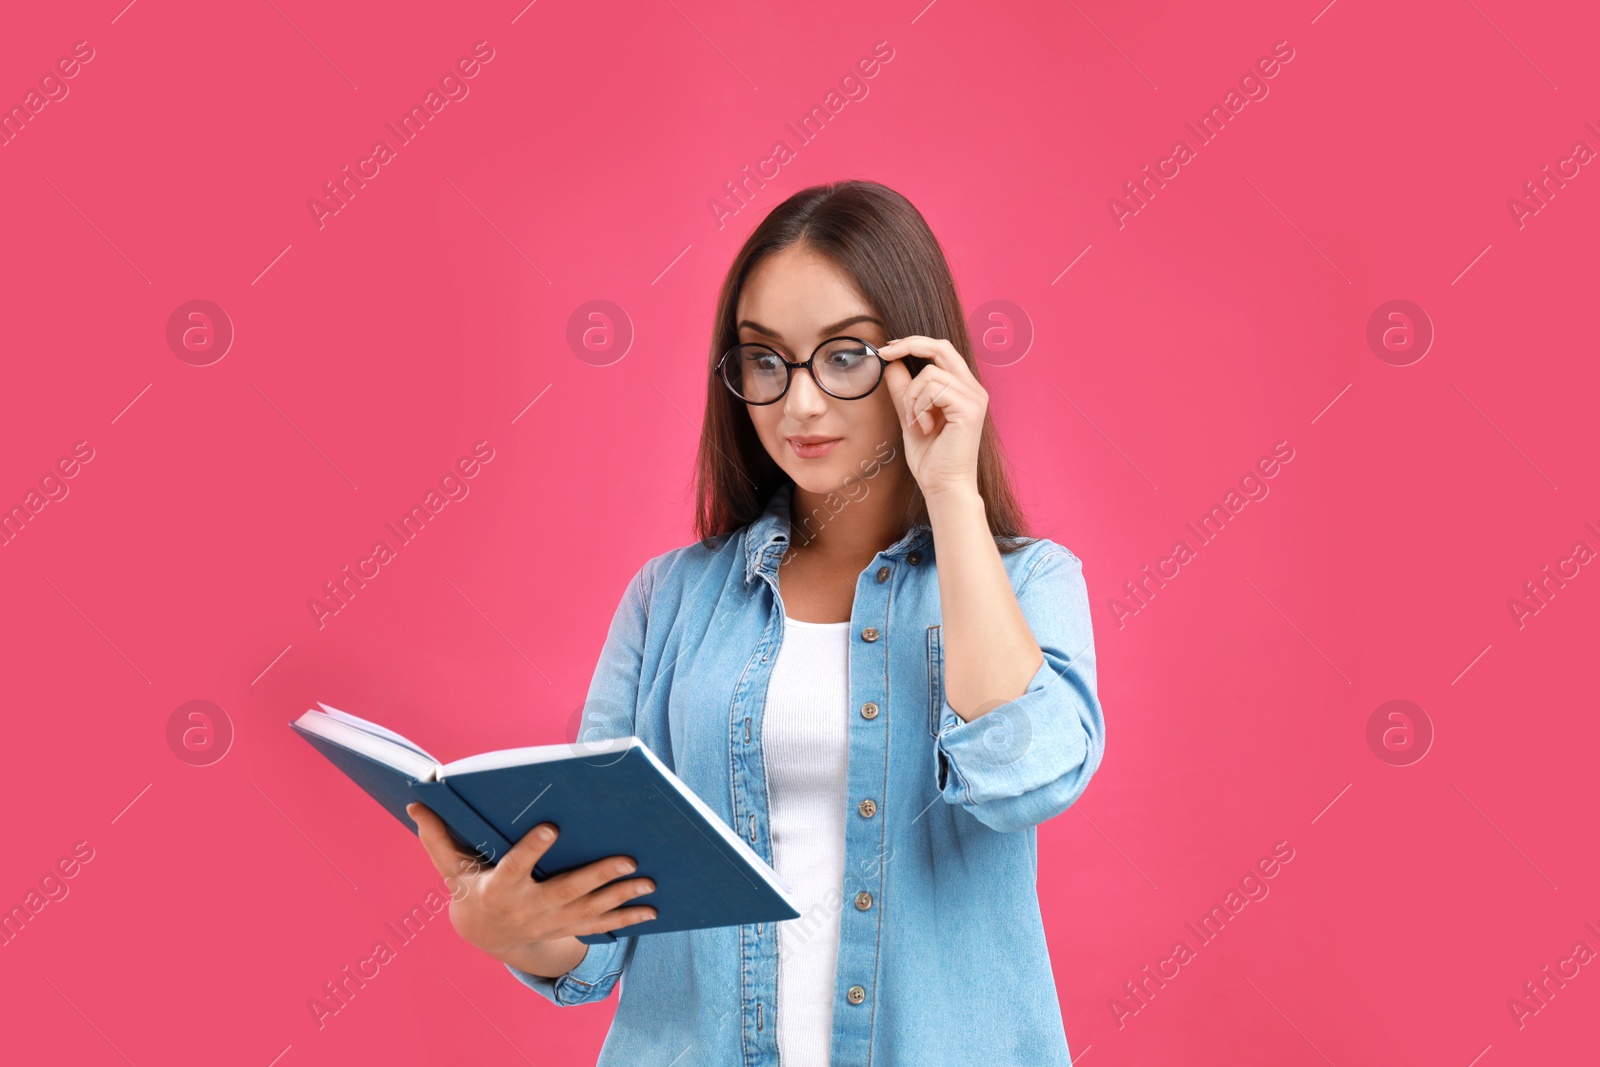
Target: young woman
(863,665)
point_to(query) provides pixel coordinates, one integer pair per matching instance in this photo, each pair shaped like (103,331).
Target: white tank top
(805,746)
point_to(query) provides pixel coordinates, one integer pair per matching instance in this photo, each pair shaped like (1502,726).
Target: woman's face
(792,301)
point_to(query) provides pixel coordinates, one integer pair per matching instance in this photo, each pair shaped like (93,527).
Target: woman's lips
(812,451)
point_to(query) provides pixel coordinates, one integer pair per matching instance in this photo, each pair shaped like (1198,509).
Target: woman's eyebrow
(827,331)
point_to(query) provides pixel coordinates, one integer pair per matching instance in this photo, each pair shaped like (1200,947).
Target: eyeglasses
(846,368)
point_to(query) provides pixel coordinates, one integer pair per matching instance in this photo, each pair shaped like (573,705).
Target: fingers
(934,388)
(519,860)
(570,885)
(608,908)
(586,900)
(448,859)
(952,380)
(897,379)
(902,386)
(624,917)
(613,897)
(574,884)
(941,352)
(612,920)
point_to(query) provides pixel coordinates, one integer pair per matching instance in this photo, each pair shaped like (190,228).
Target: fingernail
(545,833)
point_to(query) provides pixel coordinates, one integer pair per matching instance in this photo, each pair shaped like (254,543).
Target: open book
(607,798)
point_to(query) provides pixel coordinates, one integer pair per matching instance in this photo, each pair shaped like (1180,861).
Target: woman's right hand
(506,913)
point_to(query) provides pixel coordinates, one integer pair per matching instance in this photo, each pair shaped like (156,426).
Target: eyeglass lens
(844,367)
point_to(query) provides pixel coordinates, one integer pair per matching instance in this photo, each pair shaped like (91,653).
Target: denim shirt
(942,956)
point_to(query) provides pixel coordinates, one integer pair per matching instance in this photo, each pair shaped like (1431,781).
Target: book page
(378,731)
(521,757)
(401,757)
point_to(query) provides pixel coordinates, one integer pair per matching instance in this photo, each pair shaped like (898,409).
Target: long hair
(874,235)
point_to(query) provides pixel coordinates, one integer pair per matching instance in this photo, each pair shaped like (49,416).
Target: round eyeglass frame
(792,367)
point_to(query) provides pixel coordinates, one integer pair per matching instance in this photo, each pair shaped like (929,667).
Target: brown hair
(879,239)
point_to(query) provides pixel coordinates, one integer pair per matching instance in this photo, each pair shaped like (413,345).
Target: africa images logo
(1253,85)
(341,590)
(453,87)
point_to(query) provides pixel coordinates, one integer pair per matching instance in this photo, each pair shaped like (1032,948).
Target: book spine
(471,830)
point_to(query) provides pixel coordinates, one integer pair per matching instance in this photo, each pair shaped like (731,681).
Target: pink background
(1228,314)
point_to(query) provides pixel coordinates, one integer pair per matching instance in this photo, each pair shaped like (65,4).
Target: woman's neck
(850,527)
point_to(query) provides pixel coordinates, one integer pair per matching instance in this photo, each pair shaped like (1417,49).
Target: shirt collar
(767,537)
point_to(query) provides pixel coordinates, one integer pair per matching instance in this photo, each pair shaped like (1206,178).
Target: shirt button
(869,634)
(868,808)
(855,994)
(914,558)
(883,574)
(863,900)
(869,711)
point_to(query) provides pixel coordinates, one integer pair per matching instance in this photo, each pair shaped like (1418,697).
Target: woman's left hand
(941,413)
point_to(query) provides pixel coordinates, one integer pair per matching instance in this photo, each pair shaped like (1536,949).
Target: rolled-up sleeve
(609,711)
(1029,759)
(591,980)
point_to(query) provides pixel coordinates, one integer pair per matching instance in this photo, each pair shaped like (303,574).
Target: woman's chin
(840,477)
(815,480)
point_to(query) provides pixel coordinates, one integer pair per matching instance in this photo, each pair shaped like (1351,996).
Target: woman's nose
(805,395)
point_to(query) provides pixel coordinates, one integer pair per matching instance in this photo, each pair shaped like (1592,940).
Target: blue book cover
(608,798)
